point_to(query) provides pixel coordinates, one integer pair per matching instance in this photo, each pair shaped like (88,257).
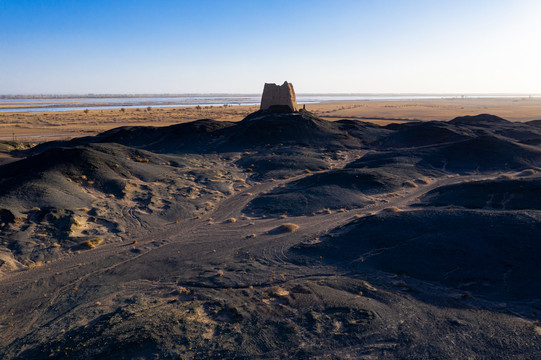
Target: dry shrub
(391,209)
(140,159)
(422,181)
(91,243)
(288,227)
(232,220)
(35,265)
(409,183)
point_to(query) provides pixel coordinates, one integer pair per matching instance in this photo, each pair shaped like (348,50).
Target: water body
(82,103)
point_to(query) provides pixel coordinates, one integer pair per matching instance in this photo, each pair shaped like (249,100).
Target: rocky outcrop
(279,96)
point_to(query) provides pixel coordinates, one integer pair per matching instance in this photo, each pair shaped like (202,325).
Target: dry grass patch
(140,159)
(91,243)
(287,227)
(35,265)
(391,209)
(410,184)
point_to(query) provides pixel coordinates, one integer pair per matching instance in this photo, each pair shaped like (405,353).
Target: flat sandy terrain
(45,126)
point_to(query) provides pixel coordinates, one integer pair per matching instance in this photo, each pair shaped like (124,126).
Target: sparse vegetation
(409,183)
(140,159)
(35,265)
(288,227)
(92,243)
(391,209)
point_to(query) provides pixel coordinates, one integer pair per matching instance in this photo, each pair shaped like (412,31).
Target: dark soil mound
(196,136)
(484,153)
(484,124)
(284,162)
(56,177)
(536,123)
(495,254)
(368,134)
(479,154)
(479,120)
(339,189)
(302,129)
(423,134)
(494,194)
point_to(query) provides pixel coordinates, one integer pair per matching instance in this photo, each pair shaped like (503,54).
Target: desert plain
(362,229)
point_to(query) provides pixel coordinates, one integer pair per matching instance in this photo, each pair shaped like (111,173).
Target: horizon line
(109,95)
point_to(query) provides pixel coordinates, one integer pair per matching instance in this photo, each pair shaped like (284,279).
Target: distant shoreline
(39,103)
(180,95)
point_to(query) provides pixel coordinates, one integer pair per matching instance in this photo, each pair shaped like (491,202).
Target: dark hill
(301,129)
(479,120)
(509,194)
(55,177)
(196,136)
(534,123)
(259,129)
(494,254)
(526,133)
(425,133)
(338,189)
(478,154)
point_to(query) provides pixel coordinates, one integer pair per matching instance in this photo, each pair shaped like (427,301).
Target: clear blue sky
(153,46)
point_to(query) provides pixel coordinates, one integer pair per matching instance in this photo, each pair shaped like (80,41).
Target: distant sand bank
(44,126)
